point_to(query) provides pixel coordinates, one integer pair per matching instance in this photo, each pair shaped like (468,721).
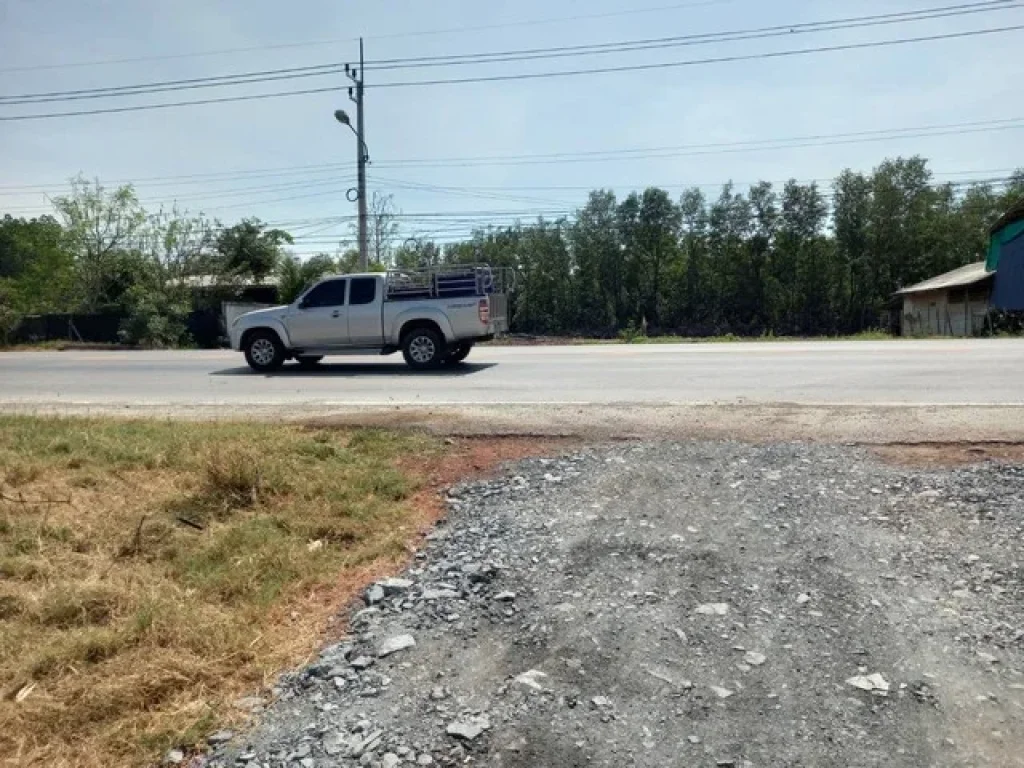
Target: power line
(205,178)
(695,62)
(781,30)
(553,205)
(243,78)
(463,191)
(476,219)
(391,36)
(630,153)
(168,105)
(540,75)
(716,149)
(702,185)
(885,132)
(319,70)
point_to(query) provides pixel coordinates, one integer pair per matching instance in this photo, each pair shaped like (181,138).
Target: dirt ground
(949,454)
(700,603)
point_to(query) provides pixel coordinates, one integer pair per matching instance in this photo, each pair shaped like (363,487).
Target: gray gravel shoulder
(706,603)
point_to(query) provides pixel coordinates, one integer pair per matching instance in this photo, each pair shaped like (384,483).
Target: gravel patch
(699,604)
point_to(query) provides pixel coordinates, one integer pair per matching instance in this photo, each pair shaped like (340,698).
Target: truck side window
(364,291)
(328,294)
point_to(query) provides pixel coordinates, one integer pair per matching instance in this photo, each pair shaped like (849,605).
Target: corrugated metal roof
(972,273)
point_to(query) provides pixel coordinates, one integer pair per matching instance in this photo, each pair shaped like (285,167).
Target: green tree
(250,250)
(548,302)
(102,232)
(649,226)
(36,266)
(416,252)
(856,280)
(295,275)
(695,302)
(729,226)
(597,253)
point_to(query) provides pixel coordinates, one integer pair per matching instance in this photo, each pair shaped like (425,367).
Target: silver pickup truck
(433,315)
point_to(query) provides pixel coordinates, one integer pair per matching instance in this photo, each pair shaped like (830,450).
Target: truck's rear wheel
(458,353)
(423,348)
(264,351)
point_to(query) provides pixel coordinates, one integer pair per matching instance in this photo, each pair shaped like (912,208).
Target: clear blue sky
(953,81)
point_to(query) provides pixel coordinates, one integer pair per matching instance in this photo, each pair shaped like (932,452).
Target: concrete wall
(942,313)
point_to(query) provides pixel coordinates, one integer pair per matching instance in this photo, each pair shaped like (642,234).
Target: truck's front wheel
(423,348)
(264,351)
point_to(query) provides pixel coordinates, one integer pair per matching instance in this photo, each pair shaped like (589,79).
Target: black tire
(264,351)
(309,362)
(458,353)
(423,348)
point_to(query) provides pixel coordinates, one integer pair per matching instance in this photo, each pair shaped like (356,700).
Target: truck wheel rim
(262,352)
(422,349)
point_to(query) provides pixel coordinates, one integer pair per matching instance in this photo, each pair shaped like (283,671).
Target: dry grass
(153,572)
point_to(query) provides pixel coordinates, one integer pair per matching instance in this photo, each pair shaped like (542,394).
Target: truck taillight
(485,311)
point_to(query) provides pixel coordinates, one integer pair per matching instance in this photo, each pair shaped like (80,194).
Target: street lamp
(362,157)
(342,117)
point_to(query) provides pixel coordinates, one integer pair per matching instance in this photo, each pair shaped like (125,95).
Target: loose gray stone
(468,729)
(712,609)
(302,750)
(395,644)
(334,743)
(874,683)
(390,760)
(174,757)
(394,587)
(505,597)
(368,744)
(374,595)
(754,659)
(220,737)
(531,679)
(439,594)
(362,662)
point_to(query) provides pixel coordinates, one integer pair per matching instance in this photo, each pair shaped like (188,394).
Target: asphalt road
(982,372)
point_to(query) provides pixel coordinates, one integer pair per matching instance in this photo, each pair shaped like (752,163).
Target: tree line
(792,261)
(799,260)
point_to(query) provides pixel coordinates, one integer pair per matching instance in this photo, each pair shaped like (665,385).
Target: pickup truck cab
(433,316)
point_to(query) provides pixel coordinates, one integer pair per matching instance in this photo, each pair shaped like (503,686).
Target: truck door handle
(335,313)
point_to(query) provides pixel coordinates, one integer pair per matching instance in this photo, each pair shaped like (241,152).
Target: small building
(1006,259)
(953,304)
(958,302)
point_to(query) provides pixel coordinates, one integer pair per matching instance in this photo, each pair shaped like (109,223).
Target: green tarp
(1004,235)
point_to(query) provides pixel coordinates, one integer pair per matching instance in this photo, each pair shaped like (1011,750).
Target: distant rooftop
(969,275)
(219,281)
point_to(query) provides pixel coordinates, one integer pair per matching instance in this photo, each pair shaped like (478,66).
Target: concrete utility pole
(355,93)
